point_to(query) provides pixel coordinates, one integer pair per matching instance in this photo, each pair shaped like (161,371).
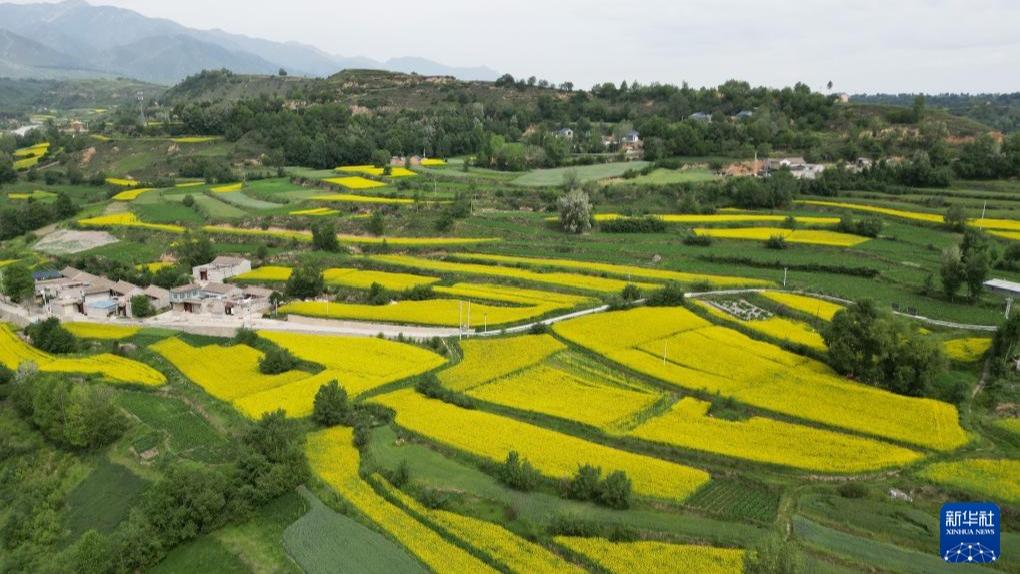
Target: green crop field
(102,500)
(554,177)
(667,176)
(324,541)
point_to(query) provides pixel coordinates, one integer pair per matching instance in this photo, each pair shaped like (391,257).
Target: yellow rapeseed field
(499,544)
(354,198)
(249,232)
(265,273)
(1000,224)
(333,458)
(1011,425)
(190,184)
(119,181)
(968,349)
(568,280)
(628,272)
(998,479)
(779,328)
(395,171)
(433,162)
(229,188)
(127,220)
(315,212)
(364,278)
(915,215)
(361,364)
(154,266)
(553,454)
(131,194)
(709,219)
(354,182)
(813,306)
(655,557)
(14,351)
(809,236)
(231,373)
(101,330)
(1013,235)
(439,312)
(39,149)
(488,359)
(194,139)
(509,294)
(760,439)
(674,345)
(559,392)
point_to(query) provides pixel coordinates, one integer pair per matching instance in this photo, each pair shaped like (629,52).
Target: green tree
(615,491)
(92,419)
(584,485)
(331,406)
(52,337)
(376,224)
(879,349)
(517,473)
(277,361)
(141,306)
(195,250)
(305,282)
(956,217)
(18,283)
(575,212)
(952,271)
(91,554)
(773,555)
(670,295)
(324,236)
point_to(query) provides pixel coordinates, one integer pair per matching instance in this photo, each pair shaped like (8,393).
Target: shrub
(517,473)
(695,240)
(245,336)
(670,295)
(630,292)
(305,282)
(277,361)
(584,485)
(776,242)
(51,336)
(852,490)
(378,295)
(331,407)
(429,386)
(614,491)
(141,307)
(648,224)
(6,375)
(324,236)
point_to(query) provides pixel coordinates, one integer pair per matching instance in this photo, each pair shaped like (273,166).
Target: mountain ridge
(104,41)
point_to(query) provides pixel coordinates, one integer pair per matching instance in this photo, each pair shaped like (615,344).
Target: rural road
(226,326)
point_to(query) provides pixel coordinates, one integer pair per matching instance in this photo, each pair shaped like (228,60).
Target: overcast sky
(861,45)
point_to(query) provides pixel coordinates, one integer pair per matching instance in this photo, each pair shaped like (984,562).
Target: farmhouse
(701,117)
(212,298)
(220,269)
(565,133)
(71,291)
(798,167)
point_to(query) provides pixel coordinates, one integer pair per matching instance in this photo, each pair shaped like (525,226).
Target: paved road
(226,325)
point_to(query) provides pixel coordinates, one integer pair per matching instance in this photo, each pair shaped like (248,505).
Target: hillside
(76,39)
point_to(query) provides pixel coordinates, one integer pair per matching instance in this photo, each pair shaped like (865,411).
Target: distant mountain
(76,39)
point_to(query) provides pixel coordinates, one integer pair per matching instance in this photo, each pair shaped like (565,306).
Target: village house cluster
(71,292)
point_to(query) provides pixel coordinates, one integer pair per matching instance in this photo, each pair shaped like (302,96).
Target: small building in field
(220,269)
(565,133)
(219,299)
(701,117)
(101,309)
(1003,287)
(744,115)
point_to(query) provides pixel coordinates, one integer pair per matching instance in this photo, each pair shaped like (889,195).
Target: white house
(219,299)
(220,269)
(565,133)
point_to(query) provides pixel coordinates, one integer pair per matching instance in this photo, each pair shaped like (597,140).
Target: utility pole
(460,319)
(665,345)
(785,274)
(1009,306)
(983,208)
